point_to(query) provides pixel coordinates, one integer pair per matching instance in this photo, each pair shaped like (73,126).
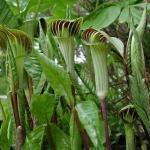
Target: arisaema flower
(129,115)
(98,41)
(64,32)
(99,47)
(15,37)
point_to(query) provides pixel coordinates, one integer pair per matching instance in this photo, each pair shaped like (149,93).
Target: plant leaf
(6,135)
(33,68)
(137,54)
(141,99)
(60,139)
(125,17)
(42,106)
(101,18)
(57,76)
(6,15)
(34,139)
(89,116)
(74,135)
(58,8)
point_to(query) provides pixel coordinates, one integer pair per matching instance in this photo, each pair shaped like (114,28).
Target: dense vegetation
(74,74)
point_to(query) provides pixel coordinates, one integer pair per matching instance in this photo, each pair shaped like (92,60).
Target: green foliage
(139,90)
(61,84)
(75,139)
(33,68)
(34,139)
(7,133)
(7,17)
(42,107)
(140,96)
(47,95)
(98,20)
(92,122)
(125,17)
(60,139)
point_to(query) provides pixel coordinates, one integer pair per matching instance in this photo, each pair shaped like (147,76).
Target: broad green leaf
(102,17)
(125,17)
(34,139)
(75,139)
(89,116)
(41,5)
(7,17)
(58,8)
(57,76)
(33,68)
(42,106)
(60,139)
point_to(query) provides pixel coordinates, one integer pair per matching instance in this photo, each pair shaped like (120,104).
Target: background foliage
(56,111)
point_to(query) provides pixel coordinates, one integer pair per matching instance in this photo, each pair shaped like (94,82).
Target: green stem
(14,103)
(129,133)
(21,104)
(2,110)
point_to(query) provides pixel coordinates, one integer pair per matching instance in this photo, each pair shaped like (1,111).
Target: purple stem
(104,112)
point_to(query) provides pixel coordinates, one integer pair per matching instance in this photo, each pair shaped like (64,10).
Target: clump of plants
(71,83)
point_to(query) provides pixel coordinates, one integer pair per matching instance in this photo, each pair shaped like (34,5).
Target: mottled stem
(104,112)
(29,116)
(14,103)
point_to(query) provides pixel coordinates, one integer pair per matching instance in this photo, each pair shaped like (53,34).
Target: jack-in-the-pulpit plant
(16,44)
(99,47)
(98,41)
(128,115)
(64,32)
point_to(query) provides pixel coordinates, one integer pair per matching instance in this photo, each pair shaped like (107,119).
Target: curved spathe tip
(91,36)
(128,113)
(65,28)
(9,35)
